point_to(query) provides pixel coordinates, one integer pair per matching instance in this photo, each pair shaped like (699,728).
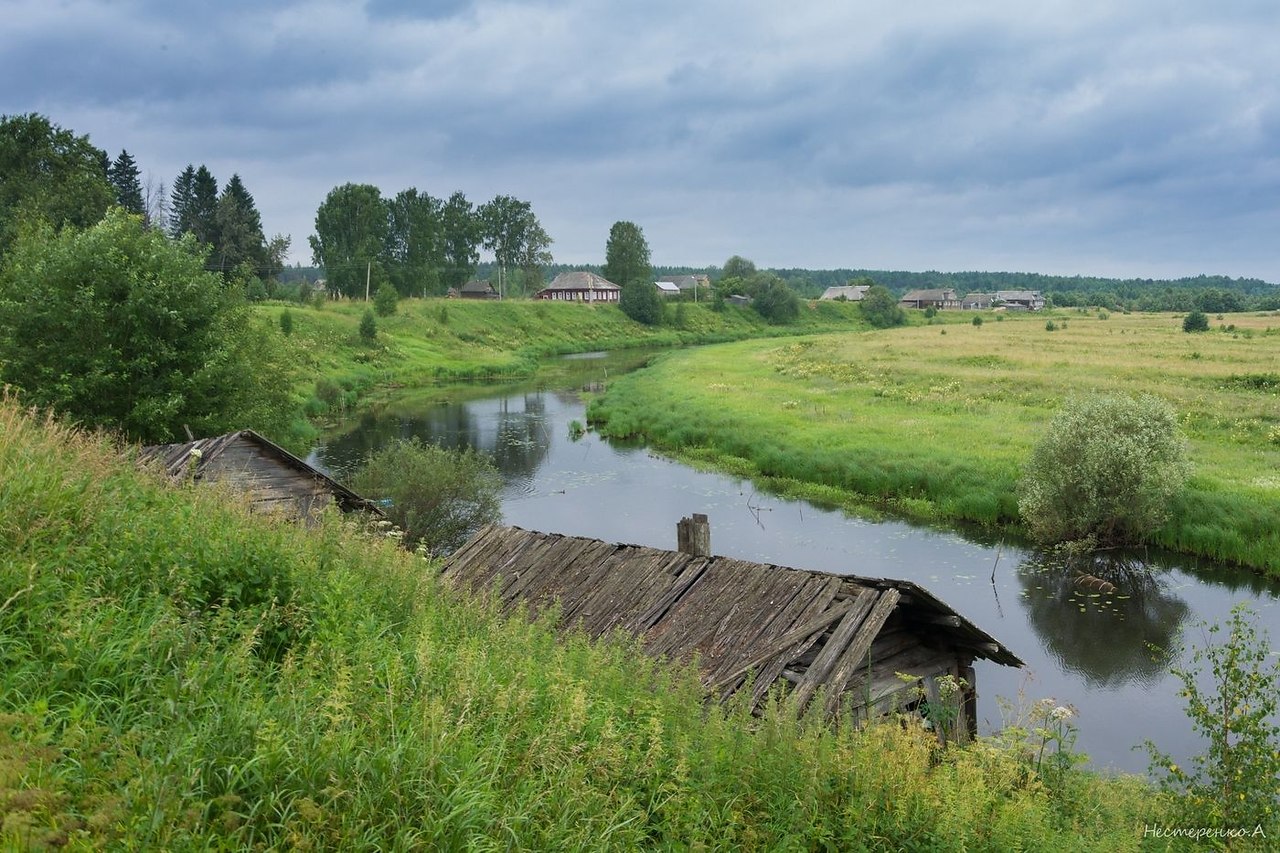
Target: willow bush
(1106,470)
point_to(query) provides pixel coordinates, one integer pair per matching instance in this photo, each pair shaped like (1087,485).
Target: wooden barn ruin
(273,478)
(747,624)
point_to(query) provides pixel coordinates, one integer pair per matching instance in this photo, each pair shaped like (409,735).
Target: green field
(176,674)
(432,341)
(934,422)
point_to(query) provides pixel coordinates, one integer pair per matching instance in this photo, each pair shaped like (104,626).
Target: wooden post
(693,535)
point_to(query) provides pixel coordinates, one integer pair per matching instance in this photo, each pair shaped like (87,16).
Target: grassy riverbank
(934,422)
(449,340)
(178,674)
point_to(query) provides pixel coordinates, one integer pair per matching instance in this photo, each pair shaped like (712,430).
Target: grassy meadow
(449,340)
(178,674)
(934,421)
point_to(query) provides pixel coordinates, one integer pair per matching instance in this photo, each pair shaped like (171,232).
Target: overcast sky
(1118,137)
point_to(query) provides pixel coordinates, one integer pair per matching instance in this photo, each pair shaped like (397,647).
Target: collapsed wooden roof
(216,457)
(812,629)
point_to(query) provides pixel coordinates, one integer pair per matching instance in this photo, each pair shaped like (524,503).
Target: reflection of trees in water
(515,438)
(1104,636)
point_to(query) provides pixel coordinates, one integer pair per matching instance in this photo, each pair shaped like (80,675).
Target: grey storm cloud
(1073,137)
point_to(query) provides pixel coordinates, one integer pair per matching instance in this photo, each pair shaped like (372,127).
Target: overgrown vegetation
(1235,783)
(937,428)
(1106,471)
(436,497)
(117,326)
(353,702)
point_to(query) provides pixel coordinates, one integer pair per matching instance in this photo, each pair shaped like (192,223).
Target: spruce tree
(181,200)
(204,207)
(126,179)
(239,230)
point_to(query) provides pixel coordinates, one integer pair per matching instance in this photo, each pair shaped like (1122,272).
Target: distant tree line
(421,245)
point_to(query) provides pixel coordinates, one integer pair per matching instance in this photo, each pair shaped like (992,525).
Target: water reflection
(1100,616)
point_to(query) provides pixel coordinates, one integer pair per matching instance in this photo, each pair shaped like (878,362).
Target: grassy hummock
(935,422)
(176,673)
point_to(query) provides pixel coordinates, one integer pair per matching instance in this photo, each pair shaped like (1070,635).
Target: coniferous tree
(180,202)
(127,181)
(204,207)
(239,230)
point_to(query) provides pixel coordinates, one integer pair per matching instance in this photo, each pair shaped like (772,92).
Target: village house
(667,290)
(476,289)
(941,298)
(870,646)
(272,478)
(847,292)
(1020,300)
(580,286)
(695,284)
(978,301)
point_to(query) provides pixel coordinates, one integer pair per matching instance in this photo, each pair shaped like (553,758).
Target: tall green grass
(178,674)
(937,428)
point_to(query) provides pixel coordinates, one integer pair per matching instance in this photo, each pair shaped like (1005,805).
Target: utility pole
(368,270)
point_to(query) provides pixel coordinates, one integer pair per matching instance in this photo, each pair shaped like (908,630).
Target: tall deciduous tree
(512,232)
(462,236)
(126,178)
(738,267)
(415,243)
(48,174)
(117,326)
(351,238)
(627,265)
(533,257)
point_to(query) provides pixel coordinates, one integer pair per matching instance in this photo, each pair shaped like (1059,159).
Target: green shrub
(880,309)
(1106,469)
(438,497)
(777,303)
(384,301)
(1233,784)
(286,322)
(1051,326)
(368,327)
(1196,321)
(977,320)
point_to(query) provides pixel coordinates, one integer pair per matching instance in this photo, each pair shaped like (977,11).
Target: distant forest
(1210,293)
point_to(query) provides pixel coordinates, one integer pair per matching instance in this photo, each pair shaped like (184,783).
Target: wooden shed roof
(735,616)
(176,461)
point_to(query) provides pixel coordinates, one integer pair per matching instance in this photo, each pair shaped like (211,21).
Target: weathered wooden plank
(761,627)
(687,576)
(856,653)
(780,645)
(821,593)
(822,665)
(691,618)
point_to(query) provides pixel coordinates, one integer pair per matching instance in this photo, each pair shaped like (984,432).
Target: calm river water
(1093,651)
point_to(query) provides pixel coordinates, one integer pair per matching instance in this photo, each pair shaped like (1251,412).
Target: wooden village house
(580,286)
(750,626)
(940,298)
(846,292)
(273,478)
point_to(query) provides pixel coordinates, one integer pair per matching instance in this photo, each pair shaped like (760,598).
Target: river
(1105,654)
